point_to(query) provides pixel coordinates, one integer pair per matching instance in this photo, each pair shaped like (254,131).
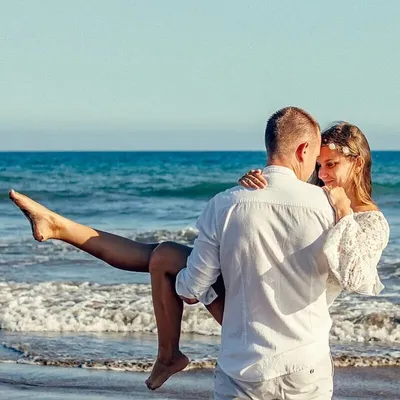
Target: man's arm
(203,264)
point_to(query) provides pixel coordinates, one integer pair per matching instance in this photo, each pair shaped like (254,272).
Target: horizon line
(156,151)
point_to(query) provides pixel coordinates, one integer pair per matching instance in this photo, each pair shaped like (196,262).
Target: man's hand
(189,301)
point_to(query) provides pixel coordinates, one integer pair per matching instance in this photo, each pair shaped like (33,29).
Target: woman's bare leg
(166,261)
(115,250)
(164,264)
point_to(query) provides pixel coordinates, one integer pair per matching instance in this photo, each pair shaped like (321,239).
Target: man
(267,244)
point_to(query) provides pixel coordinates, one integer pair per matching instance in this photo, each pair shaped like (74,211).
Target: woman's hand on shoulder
(253,179)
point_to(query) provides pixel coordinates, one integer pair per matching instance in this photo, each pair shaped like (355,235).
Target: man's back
(276,319)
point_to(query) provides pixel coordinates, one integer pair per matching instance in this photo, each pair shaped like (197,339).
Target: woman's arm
(255,180)
(353,249)
(339,201)
(354,246)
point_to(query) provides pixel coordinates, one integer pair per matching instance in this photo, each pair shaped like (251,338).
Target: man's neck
(281,163)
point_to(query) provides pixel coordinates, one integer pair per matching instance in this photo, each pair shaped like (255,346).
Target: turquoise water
(58,303)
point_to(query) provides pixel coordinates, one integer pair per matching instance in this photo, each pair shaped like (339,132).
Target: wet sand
(18,381)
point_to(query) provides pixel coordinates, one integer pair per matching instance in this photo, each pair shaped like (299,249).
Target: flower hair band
(343,149)
(333,146)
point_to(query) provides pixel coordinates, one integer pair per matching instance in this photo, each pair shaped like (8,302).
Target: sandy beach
(18,381)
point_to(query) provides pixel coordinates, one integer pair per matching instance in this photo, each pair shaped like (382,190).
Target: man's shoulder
(231,195)
(297,194)
(240,192)
(312,189)
(309,195)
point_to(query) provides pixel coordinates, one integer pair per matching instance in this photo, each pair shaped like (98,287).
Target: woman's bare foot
(162,371)
(42,220)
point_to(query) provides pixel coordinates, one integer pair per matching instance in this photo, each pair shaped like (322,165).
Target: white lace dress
(353,249)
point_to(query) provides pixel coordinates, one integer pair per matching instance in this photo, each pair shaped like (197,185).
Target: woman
(355,244)
(353,248)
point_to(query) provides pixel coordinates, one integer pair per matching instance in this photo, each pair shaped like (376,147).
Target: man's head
(293,140)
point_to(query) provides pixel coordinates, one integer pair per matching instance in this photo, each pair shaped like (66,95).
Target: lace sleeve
(353,249)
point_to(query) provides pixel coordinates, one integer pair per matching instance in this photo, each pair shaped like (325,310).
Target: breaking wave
(91,307)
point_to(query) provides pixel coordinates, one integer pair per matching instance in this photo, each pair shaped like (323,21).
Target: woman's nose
(322,173)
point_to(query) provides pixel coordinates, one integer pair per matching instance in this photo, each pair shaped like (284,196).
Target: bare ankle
(60,228)
(169,356)
(162,371)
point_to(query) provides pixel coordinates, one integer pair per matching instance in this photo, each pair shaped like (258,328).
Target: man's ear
(302,150)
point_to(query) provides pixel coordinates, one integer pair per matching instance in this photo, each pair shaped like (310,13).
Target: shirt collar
(279,169)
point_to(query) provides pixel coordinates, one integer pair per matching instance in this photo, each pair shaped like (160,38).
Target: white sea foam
(185,236)
(365,319)
(202,363)
(85,307)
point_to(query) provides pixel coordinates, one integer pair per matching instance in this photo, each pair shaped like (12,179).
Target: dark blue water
(135,189)
(53,288)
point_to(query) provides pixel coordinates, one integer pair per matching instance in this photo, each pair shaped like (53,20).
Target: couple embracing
(270,258)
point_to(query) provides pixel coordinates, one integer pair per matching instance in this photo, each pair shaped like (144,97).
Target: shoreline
(23,381)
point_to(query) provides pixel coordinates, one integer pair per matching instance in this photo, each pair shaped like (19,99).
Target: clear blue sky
(154,75)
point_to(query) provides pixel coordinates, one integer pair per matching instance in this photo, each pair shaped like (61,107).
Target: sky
(192,75)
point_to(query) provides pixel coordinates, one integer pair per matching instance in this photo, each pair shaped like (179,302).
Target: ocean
(62,307)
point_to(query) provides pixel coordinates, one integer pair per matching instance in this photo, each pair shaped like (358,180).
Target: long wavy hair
(351,142)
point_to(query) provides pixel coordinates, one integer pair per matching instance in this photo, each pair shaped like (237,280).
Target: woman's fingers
(189,301)
(336,191)
(257,180)
(242,181)
(250,182)
(327,188)
(253,180)
(257,176)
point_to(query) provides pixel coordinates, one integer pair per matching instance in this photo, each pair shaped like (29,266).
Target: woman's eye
(330,165)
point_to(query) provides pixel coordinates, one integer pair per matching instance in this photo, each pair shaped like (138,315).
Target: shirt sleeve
(203,264)
(353,249)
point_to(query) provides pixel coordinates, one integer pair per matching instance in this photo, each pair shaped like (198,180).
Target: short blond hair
(285,127)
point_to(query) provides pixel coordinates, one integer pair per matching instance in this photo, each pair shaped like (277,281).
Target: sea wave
(86,307)
(146,365)
(22,252)
(55,249)
(186,236)
(200,190)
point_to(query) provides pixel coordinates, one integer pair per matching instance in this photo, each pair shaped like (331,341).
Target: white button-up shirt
(268,246)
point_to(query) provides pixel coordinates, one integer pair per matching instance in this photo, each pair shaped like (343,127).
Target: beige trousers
(314,383)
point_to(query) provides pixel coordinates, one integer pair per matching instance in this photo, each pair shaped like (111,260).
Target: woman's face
(335,168)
